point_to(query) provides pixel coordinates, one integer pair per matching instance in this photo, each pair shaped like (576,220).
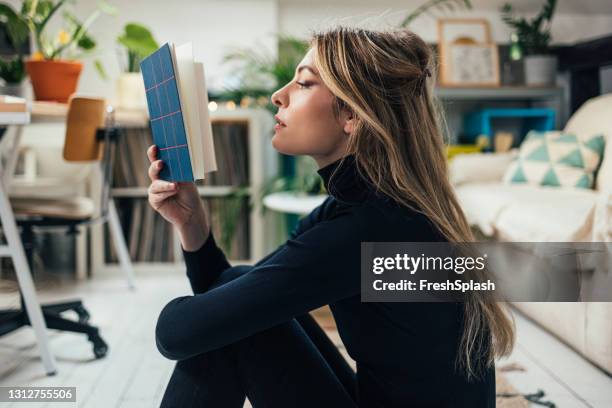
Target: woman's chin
(281,145)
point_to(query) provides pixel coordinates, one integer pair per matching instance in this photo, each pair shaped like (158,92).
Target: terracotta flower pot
(53,80)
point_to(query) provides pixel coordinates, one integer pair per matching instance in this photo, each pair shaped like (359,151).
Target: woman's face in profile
(306,123)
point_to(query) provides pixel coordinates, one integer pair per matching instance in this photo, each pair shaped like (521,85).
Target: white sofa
(525,213)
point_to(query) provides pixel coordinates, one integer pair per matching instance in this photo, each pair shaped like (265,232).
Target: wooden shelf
(205,191)
(499,93)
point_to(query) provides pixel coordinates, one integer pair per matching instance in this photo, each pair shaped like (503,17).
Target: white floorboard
(568,379)
(134,374)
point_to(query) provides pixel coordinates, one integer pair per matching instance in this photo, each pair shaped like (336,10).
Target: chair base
(13,319)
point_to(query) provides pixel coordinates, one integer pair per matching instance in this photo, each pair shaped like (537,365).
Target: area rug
(507,395)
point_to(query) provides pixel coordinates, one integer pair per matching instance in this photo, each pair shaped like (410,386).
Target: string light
(212,106)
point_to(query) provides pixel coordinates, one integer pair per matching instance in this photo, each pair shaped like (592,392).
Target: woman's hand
(179,204)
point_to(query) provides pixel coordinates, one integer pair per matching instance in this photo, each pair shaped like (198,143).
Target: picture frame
(468,56)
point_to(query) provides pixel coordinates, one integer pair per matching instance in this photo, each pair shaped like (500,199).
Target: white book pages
(208,146)
(190,105)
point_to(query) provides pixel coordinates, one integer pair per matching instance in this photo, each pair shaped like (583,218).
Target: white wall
(216,26)
(213,26)
(300,17)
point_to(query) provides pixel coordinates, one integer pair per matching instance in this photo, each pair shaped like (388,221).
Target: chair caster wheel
(83,314)
(100,348)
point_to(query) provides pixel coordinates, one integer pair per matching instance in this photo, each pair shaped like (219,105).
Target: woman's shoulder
(374,220)
(396,222)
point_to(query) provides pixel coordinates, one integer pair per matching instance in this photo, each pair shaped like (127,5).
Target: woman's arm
(205,265)
(317,267)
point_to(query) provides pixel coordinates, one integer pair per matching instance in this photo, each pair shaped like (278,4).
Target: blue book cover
(166,115)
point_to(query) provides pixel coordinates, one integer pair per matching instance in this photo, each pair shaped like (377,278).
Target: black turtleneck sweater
(405,352)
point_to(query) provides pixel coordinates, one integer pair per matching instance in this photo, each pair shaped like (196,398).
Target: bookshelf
(457,102)
(246,160)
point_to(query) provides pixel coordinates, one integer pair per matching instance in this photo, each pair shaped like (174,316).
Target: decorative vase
(53,80)
(131,91)
(540,70)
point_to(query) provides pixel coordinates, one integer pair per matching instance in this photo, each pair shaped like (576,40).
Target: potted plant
(137,42)
(534,39)
(12,69)
(54,68)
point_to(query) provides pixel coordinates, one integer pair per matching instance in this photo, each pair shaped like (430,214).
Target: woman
(360,105)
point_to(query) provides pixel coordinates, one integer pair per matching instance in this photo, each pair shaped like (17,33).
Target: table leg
(14,250)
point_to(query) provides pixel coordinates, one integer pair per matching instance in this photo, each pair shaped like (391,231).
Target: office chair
(91,135)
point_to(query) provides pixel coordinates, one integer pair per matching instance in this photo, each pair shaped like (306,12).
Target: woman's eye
(303,85)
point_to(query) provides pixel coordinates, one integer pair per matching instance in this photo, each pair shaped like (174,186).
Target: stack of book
(231,147)
(149,237)
(14,110)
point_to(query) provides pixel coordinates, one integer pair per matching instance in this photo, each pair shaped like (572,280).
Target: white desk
(46,112)
(14,248)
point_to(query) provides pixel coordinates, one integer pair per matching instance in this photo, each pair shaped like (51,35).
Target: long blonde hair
(382,78)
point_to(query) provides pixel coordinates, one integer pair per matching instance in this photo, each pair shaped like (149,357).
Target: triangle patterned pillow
(554,158)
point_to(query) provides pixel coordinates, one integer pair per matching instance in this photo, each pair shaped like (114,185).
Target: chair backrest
(591,119)
(85,117)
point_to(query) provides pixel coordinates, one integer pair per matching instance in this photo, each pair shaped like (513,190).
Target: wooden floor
(134,374)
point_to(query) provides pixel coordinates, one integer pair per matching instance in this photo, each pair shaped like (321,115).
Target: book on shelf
(177,101)
(9,103)
(231,147)
(14,110)
(150,238)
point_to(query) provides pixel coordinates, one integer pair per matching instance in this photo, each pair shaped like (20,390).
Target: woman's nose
(277,98)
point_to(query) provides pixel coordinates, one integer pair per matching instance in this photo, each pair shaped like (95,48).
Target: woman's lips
(279,123)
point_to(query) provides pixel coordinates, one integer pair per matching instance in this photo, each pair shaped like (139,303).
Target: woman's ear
(348,119)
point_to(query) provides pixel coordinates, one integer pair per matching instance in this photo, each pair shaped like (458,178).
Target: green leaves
(449,5)
(33,17)
(139,42)
(533,35)
(100,69)
(16,27)
(12,70)
(261,72)
(36,14)
(86,42)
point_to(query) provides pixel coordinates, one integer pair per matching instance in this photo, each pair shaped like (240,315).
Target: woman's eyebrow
(308,67)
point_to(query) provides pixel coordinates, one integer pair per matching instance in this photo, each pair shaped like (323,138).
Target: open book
(178,110)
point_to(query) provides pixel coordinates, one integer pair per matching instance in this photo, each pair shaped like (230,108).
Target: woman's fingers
(154,169)
(152,153)
(159,191)
(161,186)
(158,198)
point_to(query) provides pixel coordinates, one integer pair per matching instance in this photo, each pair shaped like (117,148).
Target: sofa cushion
(480,167)
(593,118)
(558,159)
(525,213)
